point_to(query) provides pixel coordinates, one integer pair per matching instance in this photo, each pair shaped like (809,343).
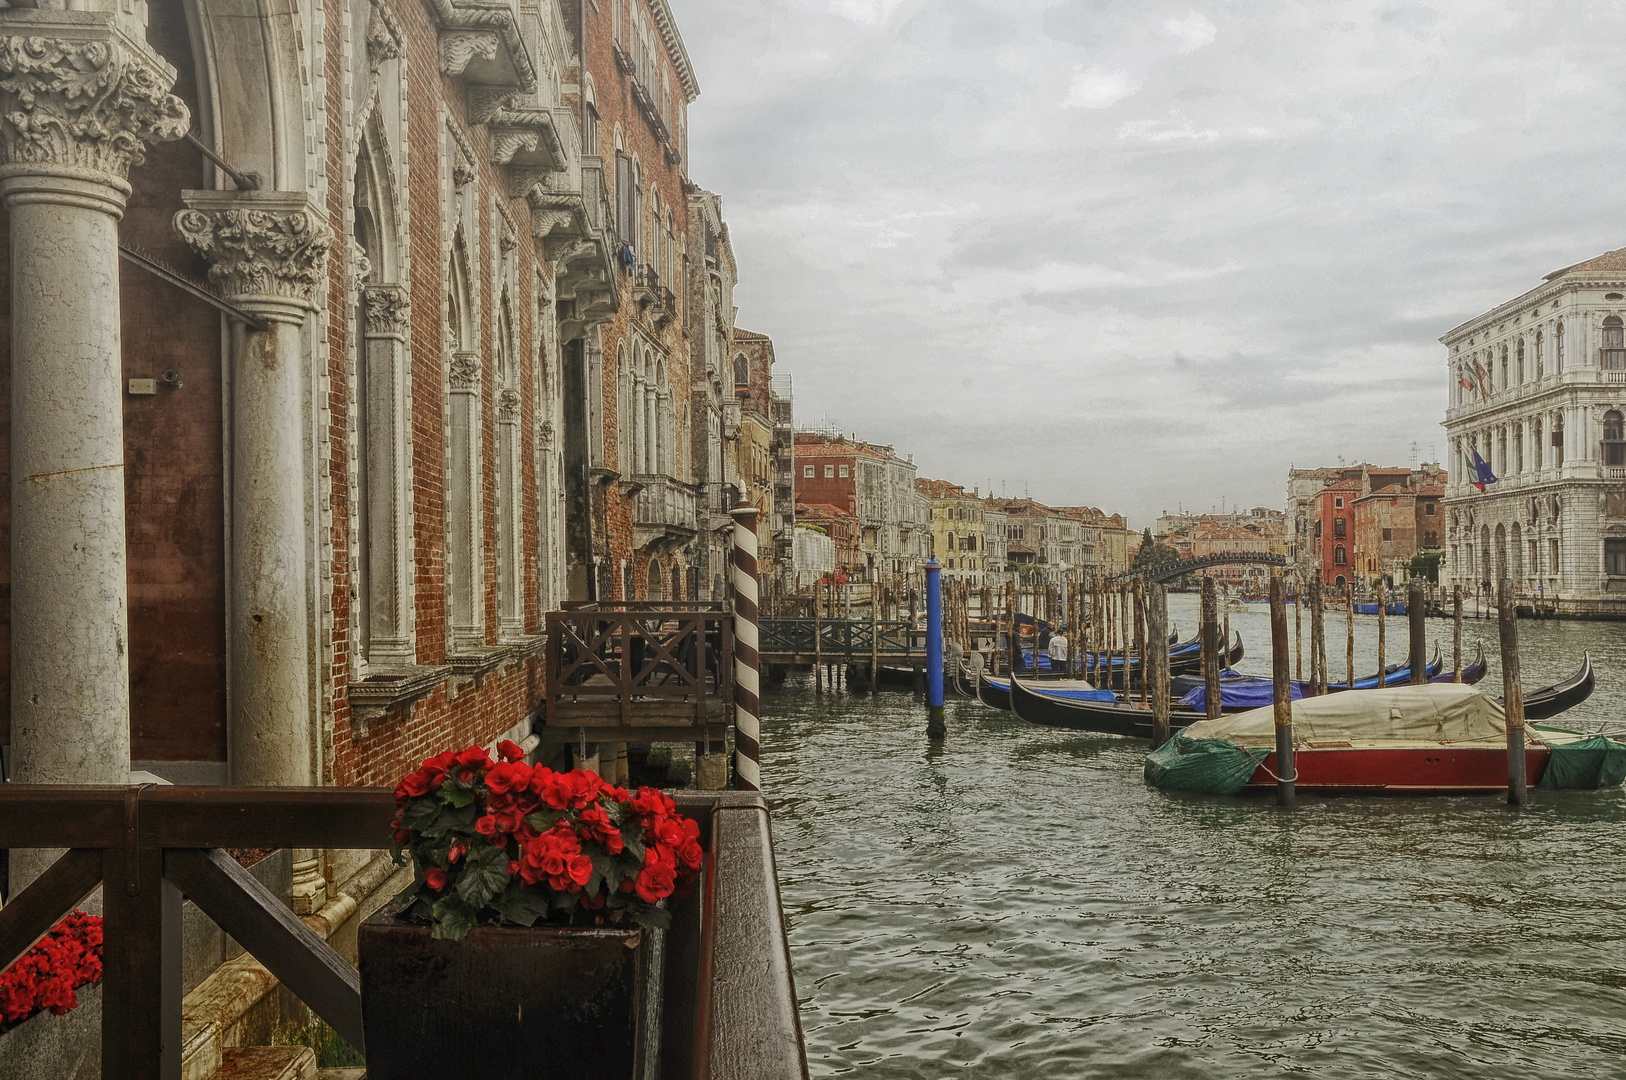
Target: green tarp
(1579,761)
(1216,766)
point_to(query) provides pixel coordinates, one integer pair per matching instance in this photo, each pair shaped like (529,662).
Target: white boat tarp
(1434,712)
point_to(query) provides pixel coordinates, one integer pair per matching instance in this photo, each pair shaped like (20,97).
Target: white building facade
(1538,390)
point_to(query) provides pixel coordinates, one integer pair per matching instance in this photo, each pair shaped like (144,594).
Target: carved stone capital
(77,92)
(508,405)
(267,249)
(465,371)
(387,309)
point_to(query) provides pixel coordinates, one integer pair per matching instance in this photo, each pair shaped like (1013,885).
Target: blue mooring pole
(934,651)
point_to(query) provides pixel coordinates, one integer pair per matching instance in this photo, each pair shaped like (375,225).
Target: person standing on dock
(1041,638)
(1058,649)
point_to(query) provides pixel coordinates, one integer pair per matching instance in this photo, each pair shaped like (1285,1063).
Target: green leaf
(633,843)
(422,909)
(521,905)
(460,819)
(485,872)
(455,794)
(453,919)
(420,814)
(543,820)
(566,902)
(650,918)
(407,893)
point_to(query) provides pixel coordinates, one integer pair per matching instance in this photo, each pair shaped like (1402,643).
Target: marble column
(82,98)
(387,371)
(267,252)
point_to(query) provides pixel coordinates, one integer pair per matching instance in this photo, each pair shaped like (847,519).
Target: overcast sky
(1145,255)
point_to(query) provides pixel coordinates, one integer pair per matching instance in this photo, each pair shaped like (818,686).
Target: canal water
(1017,903)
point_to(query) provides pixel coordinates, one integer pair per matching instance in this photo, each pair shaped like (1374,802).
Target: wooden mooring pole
(1456,632)
(1416,605)
(818,636)
(1213,660)
(1155,664)
(1349,615)
(1141,639)
(1518,792)
(1318,636)
(1298,633)
(1281,693)
(935,728)
(1383,668)
(874,639)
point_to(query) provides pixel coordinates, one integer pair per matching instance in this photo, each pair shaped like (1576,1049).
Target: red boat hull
(1420,770)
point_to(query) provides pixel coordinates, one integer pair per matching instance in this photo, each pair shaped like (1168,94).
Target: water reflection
(1017,903)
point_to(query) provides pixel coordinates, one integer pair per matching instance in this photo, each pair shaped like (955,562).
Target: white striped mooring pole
(747,704)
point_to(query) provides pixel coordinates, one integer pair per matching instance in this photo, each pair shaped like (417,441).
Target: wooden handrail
(730,996)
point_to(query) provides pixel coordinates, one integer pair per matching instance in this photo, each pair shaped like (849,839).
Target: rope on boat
(1268,771)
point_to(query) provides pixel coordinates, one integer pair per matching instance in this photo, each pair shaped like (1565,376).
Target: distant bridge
(1168,571)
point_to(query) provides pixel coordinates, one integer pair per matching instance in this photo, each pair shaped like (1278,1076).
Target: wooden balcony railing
(728,1002)
(627,671)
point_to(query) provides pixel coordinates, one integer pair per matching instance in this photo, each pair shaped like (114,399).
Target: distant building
(1538,390)
(958,529)
(815,554)
(841,526)
(877,486)
(1371,521)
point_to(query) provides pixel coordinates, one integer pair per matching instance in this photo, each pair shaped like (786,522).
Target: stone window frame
(377,122)
(461,391)
(507,379)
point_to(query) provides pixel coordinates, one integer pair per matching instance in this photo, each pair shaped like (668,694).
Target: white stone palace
(1538,390)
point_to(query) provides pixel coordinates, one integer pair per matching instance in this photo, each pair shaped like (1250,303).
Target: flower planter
(522,1002)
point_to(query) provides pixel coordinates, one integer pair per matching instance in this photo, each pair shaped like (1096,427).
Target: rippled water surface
(1017,903)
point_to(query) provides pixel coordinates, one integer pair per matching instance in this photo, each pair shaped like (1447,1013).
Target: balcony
(663,512)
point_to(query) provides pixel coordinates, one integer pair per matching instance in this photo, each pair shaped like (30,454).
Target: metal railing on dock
(728,997)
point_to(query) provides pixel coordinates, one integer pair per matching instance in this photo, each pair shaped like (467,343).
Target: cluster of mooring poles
(1214,657)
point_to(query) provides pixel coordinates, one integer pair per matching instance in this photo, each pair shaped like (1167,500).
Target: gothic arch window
(463,454)
(1614,344)
(742,372)
(656,248)
(590,117)
(623,411)
(1614,438)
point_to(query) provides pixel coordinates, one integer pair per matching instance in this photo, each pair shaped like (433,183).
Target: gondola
(1258,686)
(993,693)
(1552,700)
(1470,674)
(1184,658)
(1079,710)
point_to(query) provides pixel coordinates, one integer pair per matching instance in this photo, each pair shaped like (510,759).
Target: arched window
(590,118)
(1338,556)
(742,371)
(1614,344)
(1539,357)
(1504,367)
(1614,438)
(1518,448)
(656,588)
(1520,351)
(1558,346)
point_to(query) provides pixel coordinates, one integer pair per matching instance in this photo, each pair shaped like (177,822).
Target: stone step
(267,1063)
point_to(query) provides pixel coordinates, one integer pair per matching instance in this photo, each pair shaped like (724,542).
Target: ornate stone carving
(508,141)
(382,44)
(90,98)
(462,174)
(544,222)
(387,309)
(465,373)
(254,251)
(486,101)
(544,435)
(508,405)
(459,47)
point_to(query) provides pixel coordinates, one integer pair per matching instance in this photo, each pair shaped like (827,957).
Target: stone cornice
(267,249)
(674,47)
(77,92)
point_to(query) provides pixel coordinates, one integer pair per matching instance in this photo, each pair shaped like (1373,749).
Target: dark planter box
(505,1002)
